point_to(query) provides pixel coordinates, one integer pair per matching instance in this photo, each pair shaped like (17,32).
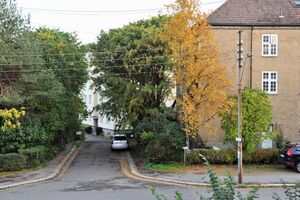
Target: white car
(119,142)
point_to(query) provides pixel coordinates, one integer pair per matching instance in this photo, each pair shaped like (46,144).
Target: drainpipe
(251,57)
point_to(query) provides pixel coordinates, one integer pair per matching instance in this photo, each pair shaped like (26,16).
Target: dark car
(291,157)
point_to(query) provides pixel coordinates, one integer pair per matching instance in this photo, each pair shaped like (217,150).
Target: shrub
(160,137)
(229,156)
(12,162)
(281,142)
(162,147)
(89,130)
(38,155)
(261,156)
(99,131)
(28,135)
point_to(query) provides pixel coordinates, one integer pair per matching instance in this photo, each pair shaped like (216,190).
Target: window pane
(273,49)
(273,76)
(266,38)
(266,76)
(266,86)
(265,49)
(273,86)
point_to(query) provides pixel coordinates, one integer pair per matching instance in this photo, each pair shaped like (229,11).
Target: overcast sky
(88,17)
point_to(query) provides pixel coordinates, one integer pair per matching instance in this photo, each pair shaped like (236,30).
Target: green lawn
(220,169)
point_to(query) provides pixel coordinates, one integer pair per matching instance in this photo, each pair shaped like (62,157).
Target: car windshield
(120,138)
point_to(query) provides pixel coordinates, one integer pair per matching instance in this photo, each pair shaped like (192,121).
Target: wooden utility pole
(239,138)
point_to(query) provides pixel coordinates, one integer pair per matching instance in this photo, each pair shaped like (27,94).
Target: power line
(92,11)
(77,68)
(97,53)
(103,60)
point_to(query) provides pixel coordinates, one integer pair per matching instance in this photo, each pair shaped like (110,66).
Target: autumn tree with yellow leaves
(197,72)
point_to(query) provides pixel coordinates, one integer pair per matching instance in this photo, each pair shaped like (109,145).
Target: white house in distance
(91,99)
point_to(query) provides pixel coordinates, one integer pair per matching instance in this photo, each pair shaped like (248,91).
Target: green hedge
(12,162)
(37,156)
(229,156)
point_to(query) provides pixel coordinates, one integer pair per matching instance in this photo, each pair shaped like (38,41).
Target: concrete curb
(61,167)
(134,171)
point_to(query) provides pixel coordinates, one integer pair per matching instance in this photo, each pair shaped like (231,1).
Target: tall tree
(201,78)
(65,57)
(131,70)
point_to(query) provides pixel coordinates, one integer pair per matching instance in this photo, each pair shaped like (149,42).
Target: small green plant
(291,193)
(226,190)
(157,196)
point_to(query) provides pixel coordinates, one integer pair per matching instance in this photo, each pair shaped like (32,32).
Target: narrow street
(96,174)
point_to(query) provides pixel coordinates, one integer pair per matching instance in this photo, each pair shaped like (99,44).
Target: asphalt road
(96,174)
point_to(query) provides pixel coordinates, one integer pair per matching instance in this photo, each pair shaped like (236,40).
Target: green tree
(65,57)
(256,118)
(44,71)
(131,70)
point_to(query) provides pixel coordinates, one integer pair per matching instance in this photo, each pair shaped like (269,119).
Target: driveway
(96,174)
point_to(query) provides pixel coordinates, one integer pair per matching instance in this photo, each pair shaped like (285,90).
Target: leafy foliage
(219,189)
(197,72)
(44,71)
(256,117)
(12,162)
(37,156)
(229,156)
(131,70)
(291,193)
(9,118)
(160,136)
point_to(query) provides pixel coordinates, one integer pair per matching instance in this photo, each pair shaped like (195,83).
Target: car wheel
(298,166)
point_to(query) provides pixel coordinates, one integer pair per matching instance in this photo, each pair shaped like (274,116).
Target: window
(269,45)
(269,82)
(90,99)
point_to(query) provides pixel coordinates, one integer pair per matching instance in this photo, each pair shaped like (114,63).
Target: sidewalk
(266,179)
(52,169)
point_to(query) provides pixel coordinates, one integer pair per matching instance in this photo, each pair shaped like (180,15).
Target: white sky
(87,25)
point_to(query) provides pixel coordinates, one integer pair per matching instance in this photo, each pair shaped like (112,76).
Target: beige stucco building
(271,56)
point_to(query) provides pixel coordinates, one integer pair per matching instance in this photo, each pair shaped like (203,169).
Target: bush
(229,156)
(99,131)
(28,135)
(261,156)
(37,156)
(160,137)
(12,162)
(89,130)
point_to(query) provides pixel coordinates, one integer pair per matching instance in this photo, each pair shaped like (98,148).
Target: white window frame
(272,40)
(269,80)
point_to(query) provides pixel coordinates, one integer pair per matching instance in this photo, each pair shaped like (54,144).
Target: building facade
(92,99)
(271,46)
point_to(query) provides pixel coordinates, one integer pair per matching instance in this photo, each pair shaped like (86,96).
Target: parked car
(291,157)
(119,142)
